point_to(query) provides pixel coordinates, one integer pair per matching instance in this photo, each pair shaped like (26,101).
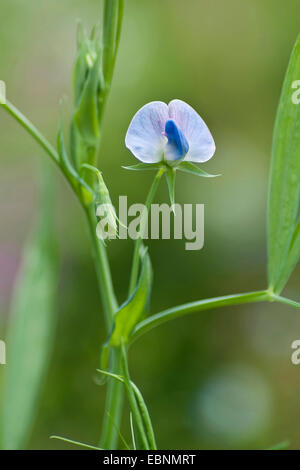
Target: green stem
(114,10)
(114,397)
(41,140)
(138,242)
(198,306)
(102,269)
(100,256)
(113,406)
(142,405)
(76,443)
(32,130)
(113,15)
(132,401)
(286,301)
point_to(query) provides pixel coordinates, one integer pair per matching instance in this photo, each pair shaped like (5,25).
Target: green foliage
(86,116)
(88,85)
(280,446)
(76,443)
(31,332)
(283,209)
(131,312)
(143,166)
(189,167)
(92,75)
(142,409)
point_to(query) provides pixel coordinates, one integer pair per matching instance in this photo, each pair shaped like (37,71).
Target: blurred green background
(221,379)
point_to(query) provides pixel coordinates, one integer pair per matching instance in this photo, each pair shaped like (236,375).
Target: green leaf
(77,148)
(199,305)
(143,166)
(131,312)
(63,157)
(118,431)
(284,192)
(75,443)
(292,257)
(113,12)
(170,176)
(142,406)
(81,65)
(280,446)
(132,432)
(74,178)
(142,441)
(189,167)
(30,332)
(86,116)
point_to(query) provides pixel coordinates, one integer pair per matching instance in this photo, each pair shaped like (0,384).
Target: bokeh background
(217,379)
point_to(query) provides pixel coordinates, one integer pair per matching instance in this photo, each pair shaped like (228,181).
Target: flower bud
(87,87)
(107,226)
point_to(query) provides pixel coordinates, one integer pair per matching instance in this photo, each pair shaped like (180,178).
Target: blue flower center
(177,146)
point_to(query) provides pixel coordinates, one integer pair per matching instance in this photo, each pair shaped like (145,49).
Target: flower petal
(177,146)
(201,143)
(144,137)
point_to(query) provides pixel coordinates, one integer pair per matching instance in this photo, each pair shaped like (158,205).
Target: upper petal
(144,137)
(201,143)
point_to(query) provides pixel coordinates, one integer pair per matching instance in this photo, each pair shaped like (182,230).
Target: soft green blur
(221,379)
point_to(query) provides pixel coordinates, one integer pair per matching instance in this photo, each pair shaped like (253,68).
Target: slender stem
(197,306)
(76,443)
(142,405)
(32,130)
(114,396)
(100,256)
(113,15)
(114,405)
(40,139)
(132,400)
(286,301)
(138,242)
(112,27)
(102,269)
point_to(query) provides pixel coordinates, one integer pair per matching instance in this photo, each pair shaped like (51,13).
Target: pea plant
(166,139)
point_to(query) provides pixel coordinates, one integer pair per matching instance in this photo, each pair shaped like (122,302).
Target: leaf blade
(133,309)
(284,189)
(143,166)
(191,168)
(30,333)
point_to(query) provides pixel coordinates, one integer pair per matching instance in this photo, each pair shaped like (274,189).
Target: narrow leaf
(133,309)
(75,443)
(86,116)
(111,32)
(199,305)
(280,446)
(142,440)
(30,332)
(142,406)
(189,167)
(292,258)
(143,166)
(80,66)
(75,180)
(132,432)
(284,190)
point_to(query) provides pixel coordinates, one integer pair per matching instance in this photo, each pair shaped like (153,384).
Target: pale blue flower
(173,132)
